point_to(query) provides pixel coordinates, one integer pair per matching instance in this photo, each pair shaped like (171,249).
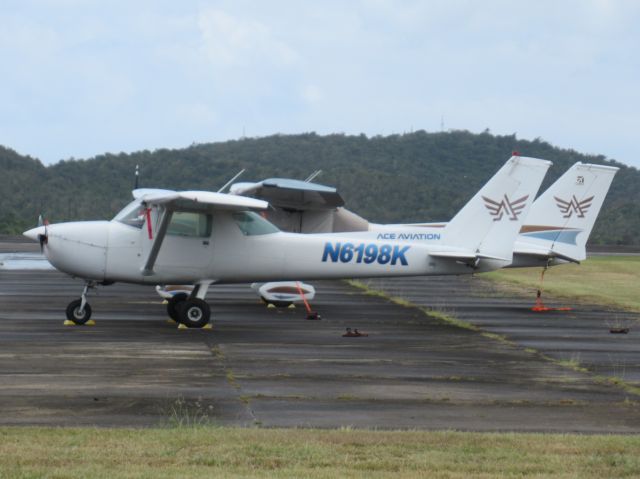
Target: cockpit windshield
(133,214)
(252,224)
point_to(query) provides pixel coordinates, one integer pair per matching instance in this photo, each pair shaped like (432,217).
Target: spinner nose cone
(78,248)
(33,233)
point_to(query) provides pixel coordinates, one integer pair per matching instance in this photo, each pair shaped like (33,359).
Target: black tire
(172,305)
(73,312)
(194,313)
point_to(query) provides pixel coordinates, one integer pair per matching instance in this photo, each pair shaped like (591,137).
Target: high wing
(291,194)
(198,200)
(302,206)
(168,202)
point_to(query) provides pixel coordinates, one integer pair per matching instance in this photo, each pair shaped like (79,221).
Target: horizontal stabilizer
(453,254)
(466,257)
(542,253)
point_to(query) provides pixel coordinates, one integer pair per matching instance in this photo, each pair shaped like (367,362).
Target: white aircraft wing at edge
(199,200)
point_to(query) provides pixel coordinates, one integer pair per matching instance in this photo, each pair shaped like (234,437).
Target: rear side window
(252,224)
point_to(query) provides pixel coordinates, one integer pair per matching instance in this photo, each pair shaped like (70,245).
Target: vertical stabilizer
(561,219)
(490,222)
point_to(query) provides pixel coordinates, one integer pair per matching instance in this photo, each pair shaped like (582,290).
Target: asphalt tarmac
(271,367)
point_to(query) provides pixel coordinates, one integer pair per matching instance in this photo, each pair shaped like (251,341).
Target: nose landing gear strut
(79,310)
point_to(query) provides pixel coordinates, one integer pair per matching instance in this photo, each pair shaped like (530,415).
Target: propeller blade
(43,241)
(43,238)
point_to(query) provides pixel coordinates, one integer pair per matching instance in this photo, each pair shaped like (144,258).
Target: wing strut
(312,176)
(147,270)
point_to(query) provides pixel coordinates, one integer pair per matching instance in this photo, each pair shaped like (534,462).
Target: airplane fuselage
(113,251)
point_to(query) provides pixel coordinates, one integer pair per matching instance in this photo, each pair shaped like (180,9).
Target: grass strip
(276,453)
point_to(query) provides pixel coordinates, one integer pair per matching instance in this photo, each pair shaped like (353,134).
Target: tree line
(411,177)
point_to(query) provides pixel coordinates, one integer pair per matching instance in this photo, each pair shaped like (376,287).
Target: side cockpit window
(182,223)
(190,224)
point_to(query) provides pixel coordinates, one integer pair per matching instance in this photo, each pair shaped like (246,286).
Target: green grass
(296,453)
(612,281)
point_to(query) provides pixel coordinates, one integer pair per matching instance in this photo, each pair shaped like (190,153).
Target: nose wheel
(79,310)
(78,314)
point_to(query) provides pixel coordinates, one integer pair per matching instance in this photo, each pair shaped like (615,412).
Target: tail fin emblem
(567,208)
(511,209)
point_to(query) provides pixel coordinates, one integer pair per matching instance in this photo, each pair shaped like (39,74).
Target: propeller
(43,238)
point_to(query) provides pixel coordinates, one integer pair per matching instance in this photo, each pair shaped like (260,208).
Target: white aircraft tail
(561,219)
(489,223)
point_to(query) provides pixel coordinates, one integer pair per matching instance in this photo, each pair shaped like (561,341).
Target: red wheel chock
(311,315)
(540,306)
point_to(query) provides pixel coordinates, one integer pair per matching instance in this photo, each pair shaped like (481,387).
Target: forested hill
(399,178)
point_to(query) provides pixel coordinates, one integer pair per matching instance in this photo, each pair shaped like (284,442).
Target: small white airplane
(204,238)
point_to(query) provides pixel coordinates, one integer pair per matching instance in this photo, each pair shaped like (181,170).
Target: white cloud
(229,41)
(311,94)
(196,114)
(26,43)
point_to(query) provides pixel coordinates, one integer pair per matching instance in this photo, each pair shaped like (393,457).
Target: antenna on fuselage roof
(228,183)
(312,176)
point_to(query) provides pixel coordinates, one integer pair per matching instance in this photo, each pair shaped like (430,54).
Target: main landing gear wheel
(75,314)
(173,303)
(194,313)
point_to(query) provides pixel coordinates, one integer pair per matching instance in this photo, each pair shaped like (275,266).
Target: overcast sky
(81,78)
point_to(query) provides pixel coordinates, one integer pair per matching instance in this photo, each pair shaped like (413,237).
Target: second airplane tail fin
(489,223)
(561,219)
